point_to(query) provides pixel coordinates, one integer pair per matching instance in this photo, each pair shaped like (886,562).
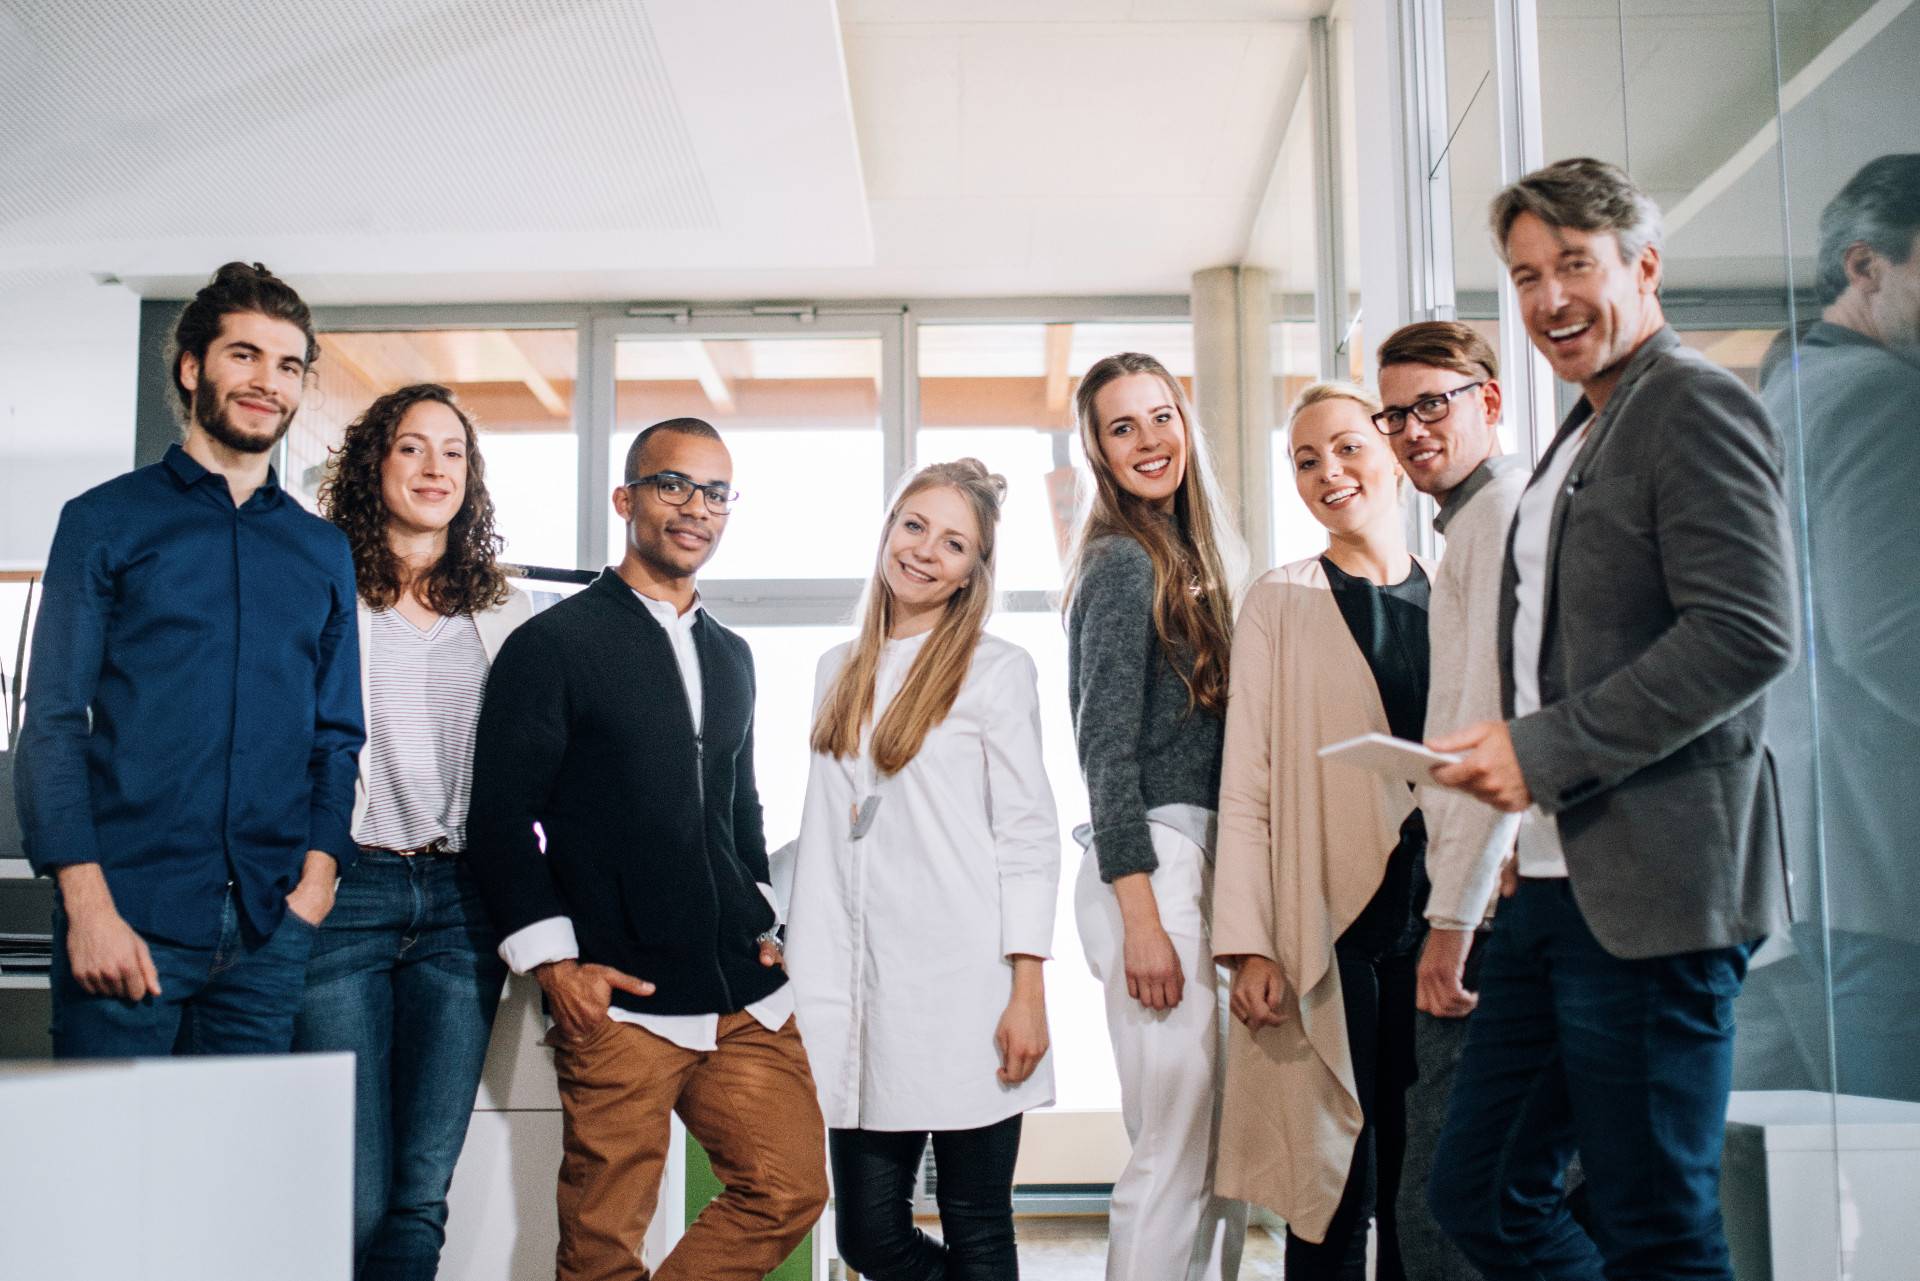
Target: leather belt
(438,847)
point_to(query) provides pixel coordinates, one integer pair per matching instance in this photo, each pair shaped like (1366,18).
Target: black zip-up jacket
(653,834)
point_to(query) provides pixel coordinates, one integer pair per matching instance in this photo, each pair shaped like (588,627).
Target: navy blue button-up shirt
(193,706)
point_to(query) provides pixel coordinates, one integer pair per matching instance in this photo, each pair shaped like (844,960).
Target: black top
(653,838)
(1389,624)
(196,698)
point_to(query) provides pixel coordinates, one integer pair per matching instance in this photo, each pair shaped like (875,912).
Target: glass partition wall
(1782,140)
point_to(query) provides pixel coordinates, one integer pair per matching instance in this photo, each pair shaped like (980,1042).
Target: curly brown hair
(468,578)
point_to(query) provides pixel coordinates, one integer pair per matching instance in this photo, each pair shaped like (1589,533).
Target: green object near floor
(703,1186)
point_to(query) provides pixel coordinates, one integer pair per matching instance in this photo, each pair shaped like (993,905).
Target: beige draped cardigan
(1303,845)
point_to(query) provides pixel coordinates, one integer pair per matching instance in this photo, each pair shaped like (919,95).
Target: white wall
(69,351)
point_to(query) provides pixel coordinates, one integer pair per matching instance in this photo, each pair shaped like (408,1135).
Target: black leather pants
(873,1176)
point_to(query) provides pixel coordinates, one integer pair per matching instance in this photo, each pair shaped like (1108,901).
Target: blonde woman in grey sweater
(1149,620)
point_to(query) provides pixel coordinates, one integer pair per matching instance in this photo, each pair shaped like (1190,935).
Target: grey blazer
(1670,608)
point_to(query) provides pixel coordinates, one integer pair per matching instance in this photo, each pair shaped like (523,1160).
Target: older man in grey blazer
(1647,604)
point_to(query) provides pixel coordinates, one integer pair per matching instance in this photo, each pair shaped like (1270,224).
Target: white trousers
(1165,1223)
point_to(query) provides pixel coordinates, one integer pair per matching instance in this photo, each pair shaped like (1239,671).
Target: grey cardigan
(1140,747)
(1669,610)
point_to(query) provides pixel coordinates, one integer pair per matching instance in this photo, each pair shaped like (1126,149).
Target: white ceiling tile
(1153,243)
(906,87)
(1229,10)
(1105,111)
(947,12)
(405,134)
(952,232)
(1185,12)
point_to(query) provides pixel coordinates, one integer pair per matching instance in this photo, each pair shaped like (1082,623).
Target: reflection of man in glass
(1857,400)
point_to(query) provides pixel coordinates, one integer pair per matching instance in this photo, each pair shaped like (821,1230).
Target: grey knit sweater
(1140,748)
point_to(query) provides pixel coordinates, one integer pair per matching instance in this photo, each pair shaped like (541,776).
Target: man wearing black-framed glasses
(1439,380)
(677,490)
(617,835)
(1430,407)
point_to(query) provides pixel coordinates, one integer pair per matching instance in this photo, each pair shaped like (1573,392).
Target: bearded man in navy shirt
(187,763)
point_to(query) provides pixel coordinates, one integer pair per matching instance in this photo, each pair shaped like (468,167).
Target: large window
(801,416)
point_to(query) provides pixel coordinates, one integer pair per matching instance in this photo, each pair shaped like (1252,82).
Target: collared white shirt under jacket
(1539,844)
(898,942)
(553,939)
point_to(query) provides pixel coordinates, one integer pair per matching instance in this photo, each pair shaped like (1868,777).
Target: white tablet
(1398,758)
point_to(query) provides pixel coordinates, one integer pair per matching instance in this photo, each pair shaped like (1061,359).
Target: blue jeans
(405,976)
(1630,1063)
(239,997)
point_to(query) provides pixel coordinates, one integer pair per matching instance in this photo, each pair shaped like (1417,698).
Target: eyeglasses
(676,490)
(1428,409)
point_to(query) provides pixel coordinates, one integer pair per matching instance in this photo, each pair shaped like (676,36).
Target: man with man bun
(186,769)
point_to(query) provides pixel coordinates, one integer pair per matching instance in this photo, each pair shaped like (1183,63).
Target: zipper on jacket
(706,854)
(706,859)
(698,725)
(700,777)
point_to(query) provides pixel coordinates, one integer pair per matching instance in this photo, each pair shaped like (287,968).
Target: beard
(214,417)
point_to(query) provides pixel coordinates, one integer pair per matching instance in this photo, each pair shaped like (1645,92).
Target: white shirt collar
(665,611)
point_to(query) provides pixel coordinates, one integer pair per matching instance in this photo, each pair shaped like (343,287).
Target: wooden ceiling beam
(1059,383)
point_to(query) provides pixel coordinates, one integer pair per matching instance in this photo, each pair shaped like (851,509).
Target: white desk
(192,1169)
(1807,1199)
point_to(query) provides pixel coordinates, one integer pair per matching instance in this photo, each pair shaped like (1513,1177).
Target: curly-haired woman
(404,973)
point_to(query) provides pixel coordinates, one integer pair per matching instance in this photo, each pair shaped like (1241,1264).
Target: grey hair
(1586,195)
(1879,207)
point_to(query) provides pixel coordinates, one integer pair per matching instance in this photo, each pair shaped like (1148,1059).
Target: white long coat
(897,943)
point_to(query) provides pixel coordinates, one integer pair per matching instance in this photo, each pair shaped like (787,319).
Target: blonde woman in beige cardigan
(1319,870)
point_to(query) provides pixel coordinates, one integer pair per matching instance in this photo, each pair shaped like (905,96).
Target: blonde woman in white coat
(923,895)
(404,972)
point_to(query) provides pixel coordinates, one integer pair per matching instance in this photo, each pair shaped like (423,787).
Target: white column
(1233,390)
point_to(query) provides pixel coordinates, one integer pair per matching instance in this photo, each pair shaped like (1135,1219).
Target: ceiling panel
(1185,12)
(420,151)
(154,137)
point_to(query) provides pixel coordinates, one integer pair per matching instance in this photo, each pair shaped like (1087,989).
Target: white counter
(188,1169)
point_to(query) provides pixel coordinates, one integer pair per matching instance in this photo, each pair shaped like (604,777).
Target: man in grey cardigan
(1646,605)
(1439,384)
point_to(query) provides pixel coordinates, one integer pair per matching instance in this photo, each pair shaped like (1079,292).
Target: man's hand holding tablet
(1396,758)
(1485,767)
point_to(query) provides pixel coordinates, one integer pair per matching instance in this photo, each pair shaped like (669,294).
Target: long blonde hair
(1197,556)
(940,668)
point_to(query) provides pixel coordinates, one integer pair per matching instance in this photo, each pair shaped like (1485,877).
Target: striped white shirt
(423,704)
